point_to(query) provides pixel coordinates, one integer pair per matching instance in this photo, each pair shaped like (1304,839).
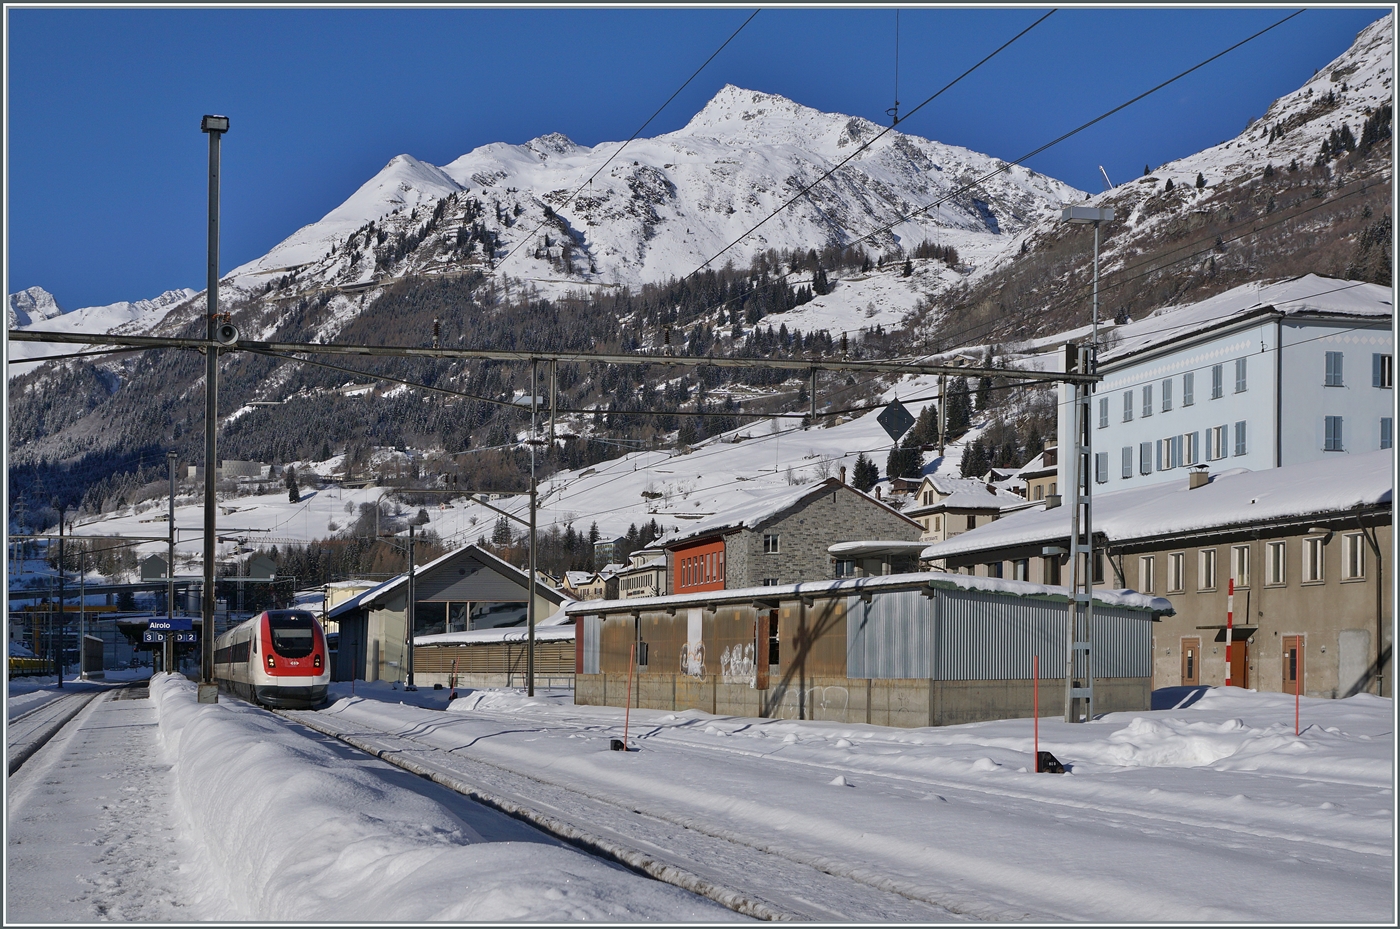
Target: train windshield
(292,635)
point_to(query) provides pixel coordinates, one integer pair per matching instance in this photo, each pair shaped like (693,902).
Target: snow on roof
(491,561)
(1127,599)
(1309,295)
(1314,489)
(575,578)
(762,507)
(874,547)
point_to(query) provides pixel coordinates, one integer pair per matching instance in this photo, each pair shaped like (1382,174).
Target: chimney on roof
(1052,501)
(877,491)
(1199,477)
(843,474)
(991,489)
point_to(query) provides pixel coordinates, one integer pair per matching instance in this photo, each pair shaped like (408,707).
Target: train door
(1191,662)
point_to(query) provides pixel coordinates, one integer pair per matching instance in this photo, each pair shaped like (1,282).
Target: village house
(646,575)
(1260,376)
(779,538)
(1307,547)
(1041,473)
(947,506)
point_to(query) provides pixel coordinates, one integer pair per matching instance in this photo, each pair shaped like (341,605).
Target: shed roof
(1125,599)
(1239,497)
(377,594)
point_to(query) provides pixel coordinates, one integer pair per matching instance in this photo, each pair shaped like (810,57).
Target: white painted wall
(1293,394)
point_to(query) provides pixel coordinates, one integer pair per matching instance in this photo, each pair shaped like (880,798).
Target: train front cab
(295,664)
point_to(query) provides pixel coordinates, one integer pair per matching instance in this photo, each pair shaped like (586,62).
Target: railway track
(30,731)
(747,879)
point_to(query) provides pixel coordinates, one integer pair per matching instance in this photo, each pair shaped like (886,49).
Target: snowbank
(302,835)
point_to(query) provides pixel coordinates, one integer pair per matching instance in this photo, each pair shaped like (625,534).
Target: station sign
(172,624)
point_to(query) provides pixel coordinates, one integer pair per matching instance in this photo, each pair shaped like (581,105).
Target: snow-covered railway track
(1216,816)
(28,732)
(744,877)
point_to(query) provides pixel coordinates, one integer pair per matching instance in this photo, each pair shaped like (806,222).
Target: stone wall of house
(805,534)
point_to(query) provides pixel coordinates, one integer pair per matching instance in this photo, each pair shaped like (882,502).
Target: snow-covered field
(1213,811)
(1209,809)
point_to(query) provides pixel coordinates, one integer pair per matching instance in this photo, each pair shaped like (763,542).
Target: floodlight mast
(214,127)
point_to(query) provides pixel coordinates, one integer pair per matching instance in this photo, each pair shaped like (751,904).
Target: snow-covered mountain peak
(740,116)
(32,305)
(554,143)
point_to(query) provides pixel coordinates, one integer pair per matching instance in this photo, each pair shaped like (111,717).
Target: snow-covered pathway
(94,831)
(1157,803)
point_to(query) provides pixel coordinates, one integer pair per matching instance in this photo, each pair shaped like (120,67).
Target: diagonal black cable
(1007,166)
(633,136)
(843,162)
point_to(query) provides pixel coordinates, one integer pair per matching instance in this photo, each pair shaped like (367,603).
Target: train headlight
(270,662)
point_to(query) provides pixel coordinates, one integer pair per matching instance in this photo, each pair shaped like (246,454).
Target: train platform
(94,827)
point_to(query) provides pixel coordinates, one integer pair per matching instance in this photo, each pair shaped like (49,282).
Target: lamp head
(214,124)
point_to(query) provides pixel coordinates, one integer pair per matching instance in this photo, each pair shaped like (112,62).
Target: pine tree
(1146,170)
(984,393)
(1170,185)
(1200,181)
(865,475)
(500,535)
(820,284)
(926,426)
(959,408)
(974,460)
(908,268)
(293,490)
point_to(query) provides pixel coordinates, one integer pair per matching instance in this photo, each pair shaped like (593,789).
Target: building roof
(1126,599)
(375,594)
(1308,296)
(763,507)
(1239,497)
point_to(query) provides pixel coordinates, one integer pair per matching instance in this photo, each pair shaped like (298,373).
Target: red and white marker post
(1229,628)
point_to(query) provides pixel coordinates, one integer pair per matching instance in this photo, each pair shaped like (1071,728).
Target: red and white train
(278,658)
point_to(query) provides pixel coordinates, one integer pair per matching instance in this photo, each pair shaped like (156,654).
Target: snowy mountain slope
(669,203)
(1271,205)
(123,317)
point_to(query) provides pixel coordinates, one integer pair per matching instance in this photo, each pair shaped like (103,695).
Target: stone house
(779,538)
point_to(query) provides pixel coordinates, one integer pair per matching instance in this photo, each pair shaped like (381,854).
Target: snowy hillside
(1346,92)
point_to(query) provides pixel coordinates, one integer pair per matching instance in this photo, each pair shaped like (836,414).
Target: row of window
(1381,376)
(1382,373)
(1176,451)
(1275,562)
(696,570)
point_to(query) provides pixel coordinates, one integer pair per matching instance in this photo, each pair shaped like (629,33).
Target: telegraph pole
(215,127)
(412,594)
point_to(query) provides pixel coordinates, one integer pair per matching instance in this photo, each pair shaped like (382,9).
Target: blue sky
(106,197)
